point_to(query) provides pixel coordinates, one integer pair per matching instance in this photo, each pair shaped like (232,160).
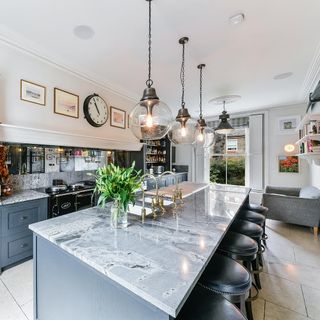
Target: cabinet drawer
(20,246)
(15,248)
(22,218)
(17,217)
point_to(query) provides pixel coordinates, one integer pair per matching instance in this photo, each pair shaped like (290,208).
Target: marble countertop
(158,260)
(21,196)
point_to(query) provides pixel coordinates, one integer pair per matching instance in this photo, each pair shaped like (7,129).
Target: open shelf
(309,137)
(307,118)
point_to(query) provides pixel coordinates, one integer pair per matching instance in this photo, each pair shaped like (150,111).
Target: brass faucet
(155,203)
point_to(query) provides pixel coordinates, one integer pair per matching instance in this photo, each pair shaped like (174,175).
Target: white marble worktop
(158,260)
(21,196)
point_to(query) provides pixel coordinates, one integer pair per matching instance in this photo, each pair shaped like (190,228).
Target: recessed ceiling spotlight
(236,19)
(83,32)
(282,76)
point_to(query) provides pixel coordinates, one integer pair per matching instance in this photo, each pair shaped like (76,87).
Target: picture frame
(288,164)
(117,118)
(33,92)
(66,103)
(288,125)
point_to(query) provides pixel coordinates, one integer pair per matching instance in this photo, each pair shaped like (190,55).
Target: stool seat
(252,216)
(238,245)
(226,276)
(247,228)
(205,305)
(256,208)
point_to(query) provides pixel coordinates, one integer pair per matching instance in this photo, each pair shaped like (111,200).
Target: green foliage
(119,184)
(235,173)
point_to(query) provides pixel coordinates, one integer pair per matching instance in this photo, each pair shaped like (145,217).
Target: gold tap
(177,193)
(155,204)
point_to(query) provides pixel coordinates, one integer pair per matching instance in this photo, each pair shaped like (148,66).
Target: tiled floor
(291,279)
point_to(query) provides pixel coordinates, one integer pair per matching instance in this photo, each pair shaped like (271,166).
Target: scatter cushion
(310,192)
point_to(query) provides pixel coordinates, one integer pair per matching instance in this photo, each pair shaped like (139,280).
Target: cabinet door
(17,217)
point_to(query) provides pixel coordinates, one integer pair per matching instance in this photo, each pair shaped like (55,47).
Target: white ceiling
(276,37)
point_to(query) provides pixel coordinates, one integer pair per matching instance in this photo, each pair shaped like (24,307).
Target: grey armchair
(293,205)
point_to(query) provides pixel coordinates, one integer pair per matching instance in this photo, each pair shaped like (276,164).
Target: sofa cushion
(310,192)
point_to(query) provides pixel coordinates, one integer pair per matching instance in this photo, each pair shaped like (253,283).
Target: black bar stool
(262,210)
(252,216)
(229,278)
(205,305)
(255,232)
(241,248)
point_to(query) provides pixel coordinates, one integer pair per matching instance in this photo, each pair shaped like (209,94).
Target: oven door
(84,200)
(62,204)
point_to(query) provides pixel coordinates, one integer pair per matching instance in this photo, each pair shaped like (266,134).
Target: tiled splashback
(39,180)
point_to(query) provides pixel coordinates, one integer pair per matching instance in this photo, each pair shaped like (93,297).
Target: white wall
(16,64)
(315,169)
(276,143)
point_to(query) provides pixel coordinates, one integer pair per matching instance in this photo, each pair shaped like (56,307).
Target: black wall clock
(95,110)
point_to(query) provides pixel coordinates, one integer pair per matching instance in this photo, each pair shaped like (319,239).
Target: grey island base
(84,270)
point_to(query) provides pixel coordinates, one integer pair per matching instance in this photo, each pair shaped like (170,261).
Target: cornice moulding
(19,43)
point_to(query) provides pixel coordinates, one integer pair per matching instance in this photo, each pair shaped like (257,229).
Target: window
(232,145)
(228,161)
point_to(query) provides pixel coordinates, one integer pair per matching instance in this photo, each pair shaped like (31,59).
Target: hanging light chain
(182,75)
(201,80)
(149,82)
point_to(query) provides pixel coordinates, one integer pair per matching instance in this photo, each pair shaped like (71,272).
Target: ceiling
(276,37)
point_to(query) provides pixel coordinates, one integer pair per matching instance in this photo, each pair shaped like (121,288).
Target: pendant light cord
(182,75)
(201,78)
(149,82)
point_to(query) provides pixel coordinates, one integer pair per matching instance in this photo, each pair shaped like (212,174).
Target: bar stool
(262,210)
(255,232)
(205,305)
(252,216)
(241,248)
(229,278)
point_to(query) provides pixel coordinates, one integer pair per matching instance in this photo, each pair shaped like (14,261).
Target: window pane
(236,168)
(218,169)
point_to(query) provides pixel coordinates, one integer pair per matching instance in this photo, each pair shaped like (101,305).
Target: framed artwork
(288,164)
(117,118)
(32,92)
(66,103)
(288,125)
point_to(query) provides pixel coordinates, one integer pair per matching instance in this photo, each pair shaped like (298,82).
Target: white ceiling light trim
(18,42)
(312,76)
(237,19)
(282,76)
(83,32)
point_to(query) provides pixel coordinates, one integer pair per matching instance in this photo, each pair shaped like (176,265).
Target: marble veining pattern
(21,196)
(159,260)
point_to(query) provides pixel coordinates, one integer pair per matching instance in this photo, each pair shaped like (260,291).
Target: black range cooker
(65,199)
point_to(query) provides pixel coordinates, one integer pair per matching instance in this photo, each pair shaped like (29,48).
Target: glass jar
(119,216)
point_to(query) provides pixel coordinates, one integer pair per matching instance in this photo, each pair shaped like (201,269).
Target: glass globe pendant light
(204,134)
(183,129)
(150,119)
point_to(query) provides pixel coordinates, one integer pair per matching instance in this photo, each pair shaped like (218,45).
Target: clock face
(95,110)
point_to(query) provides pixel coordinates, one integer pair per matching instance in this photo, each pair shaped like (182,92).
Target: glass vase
(119,216)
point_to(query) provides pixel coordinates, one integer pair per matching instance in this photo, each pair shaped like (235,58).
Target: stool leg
(264,235)
(256,267)
(249,308)
(243,305)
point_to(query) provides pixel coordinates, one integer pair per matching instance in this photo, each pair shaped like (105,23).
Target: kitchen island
(83,269)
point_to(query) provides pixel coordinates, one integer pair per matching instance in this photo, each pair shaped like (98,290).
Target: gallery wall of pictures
(66,103)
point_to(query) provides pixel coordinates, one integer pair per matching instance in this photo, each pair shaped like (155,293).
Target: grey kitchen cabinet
(15,236)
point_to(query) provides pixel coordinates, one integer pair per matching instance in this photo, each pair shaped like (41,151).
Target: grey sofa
(299,206)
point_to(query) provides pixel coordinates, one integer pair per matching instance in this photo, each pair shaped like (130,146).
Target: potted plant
(117,184)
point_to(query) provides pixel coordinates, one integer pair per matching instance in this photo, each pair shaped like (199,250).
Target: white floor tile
(28,309)
(275,312)
(282,292)
(9,310)
(18,280)
(312,298)
(258,309)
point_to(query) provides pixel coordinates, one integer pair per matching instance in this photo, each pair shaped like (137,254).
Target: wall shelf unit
(309,142)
